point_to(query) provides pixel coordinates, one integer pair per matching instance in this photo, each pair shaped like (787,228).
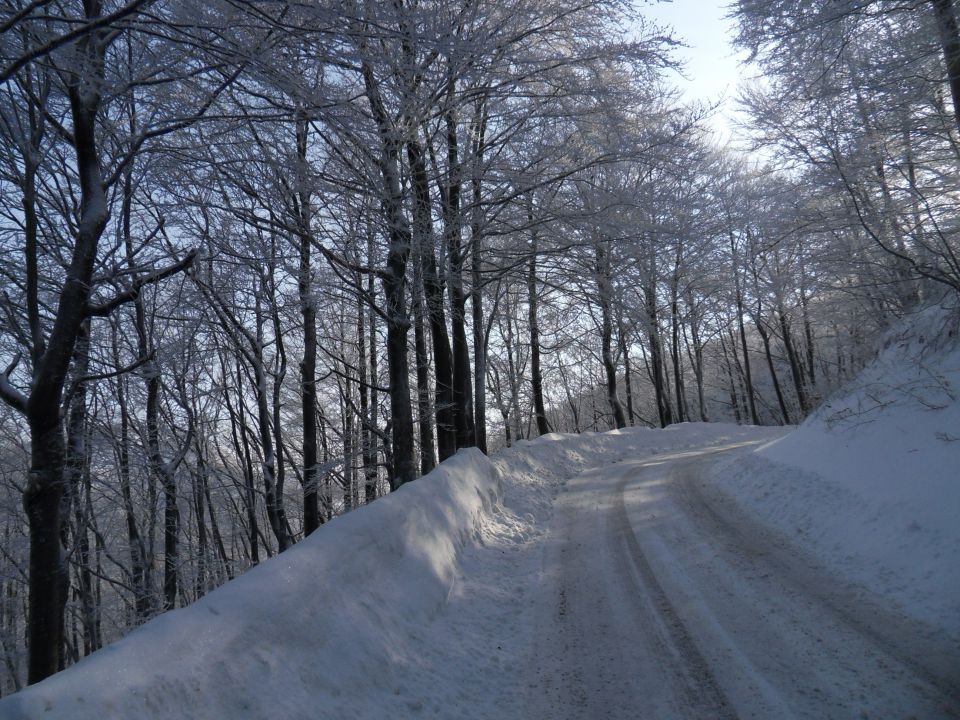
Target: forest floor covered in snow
(705,570)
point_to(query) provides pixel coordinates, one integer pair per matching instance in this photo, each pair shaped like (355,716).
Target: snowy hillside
(871,482)
(395,609)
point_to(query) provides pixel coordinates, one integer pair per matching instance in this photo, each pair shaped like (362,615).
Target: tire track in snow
(703,696)
(932,659)
(659,601)
(609,644)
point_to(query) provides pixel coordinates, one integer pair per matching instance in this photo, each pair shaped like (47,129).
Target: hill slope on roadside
(870,483)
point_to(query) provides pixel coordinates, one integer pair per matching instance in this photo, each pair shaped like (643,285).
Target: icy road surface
(660,600)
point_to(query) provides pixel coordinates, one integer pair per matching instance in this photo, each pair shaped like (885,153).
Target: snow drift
(219,657)
(870,483)
(412,605)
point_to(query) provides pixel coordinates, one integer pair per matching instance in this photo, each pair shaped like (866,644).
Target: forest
(264,262)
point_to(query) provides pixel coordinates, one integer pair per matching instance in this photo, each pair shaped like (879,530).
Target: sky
(711,63)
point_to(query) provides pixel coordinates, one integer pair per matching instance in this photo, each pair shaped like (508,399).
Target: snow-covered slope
(414,605)
(870,484)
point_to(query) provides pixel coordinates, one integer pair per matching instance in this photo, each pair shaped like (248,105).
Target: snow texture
(870,483)
(411,606)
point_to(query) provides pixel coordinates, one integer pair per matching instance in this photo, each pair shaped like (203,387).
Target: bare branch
(76,33)
(8,393)
(105,308)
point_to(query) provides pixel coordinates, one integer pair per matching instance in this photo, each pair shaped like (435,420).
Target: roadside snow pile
(870,483)
(413,606)
(290,636)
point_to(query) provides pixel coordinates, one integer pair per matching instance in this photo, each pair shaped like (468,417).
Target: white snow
(425,603)
(409,607)
(870,483)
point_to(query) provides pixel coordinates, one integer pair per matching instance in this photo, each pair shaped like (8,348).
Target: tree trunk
(627,369)
(734,401)
(675,355)
(199,498)
(158,466)
(346,406)
(138,550)
(605,297)
(796,370)
(536,378)
(77,495)
(171,532)
(751,403)
(366,428)
(73,468)
(241,445)
(510,343)
(696,356)
(398,370)
(950,42)
(394,283)
(476,290)
(433,292)
(398,325)
(808,337)
(269,458)
(664,412)
(308,364)
(372,473)
(765,337)
(44,487)
(278,376)
(41,502)
(428,459)
(90,605)
(452,231)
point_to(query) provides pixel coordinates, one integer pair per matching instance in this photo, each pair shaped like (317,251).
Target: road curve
(660,600)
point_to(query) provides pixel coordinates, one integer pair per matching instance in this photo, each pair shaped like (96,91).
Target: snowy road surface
(600,576)
(659,600)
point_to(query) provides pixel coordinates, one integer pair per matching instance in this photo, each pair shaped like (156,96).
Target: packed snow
(870,483)
(456,595)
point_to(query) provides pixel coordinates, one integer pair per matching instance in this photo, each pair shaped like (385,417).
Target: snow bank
(870,483)
(297,634)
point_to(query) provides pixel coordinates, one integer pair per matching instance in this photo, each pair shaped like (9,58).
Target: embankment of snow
(290,637)
(870,484)
(412,605)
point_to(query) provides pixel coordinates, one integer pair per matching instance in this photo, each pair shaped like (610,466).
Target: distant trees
(861,97)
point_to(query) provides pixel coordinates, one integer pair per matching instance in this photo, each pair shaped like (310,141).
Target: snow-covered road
(660,600)
(598,576)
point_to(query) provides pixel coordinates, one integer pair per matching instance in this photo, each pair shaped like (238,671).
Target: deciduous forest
(262,263)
